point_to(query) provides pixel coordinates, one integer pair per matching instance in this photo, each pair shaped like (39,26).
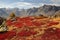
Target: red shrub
(26,33)
(28,23)
(38,23)
(8,22)
(10,34)
(6,35)
(18,24)
(52,23)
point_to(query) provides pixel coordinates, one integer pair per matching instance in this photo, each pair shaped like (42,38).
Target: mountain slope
(46,10)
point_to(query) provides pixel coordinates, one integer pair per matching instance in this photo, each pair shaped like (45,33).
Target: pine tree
(12,14)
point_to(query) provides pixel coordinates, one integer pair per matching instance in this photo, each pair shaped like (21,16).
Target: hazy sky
(27,3)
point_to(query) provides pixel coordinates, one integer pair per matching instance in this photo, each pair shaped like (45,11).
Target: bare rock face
(57,14)
(1,20)
(48,10)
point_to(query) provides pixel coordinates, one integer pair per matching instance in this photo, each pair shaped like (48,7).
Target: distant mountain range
(46,10)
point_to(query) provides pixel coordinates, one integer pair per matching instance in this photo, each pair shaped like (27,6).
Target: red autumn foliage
(58,33)
(50,23)
(51,34)
(38,23)
(26,33)
(18,24)
(8,34)
(27,21)
(8,22)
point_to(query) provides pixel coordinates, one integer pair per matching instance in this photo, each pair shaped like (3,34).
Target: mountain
(45,10)
(57,14)
(15,10)
(3,12)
